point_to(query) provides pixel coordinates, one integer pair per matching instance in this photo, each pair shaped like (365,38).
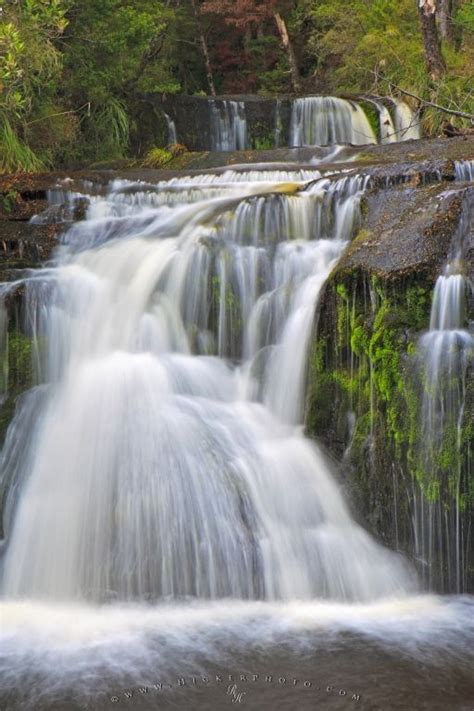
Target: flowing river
(172,540)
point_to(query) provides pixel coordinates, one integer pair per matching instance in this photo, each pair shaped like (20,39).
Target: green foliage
(116,49)
(108,129)
(30,69)
(371,366)
(114,46)
(72,73)
(373,116)
(19,362)
(72,93)
(366,47)
(16,376)
(464,17)
(269,63)
(264,144)
(15,154)
(8,200)
(359,39)
(157,158)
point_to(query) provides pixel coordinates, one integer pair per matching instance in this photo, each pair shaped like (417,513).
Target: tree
(204,49)
(446,13)
(287,44)
(250,14)
(431,42)
(114,50)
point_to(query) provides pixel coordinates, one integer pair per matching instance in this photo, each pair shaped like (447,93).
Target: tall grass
(15,154)
(112,127)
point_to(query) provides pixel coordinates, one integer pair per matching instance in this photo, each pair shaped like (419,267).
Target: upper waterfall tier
(325,120)
(227,124)
(168,459)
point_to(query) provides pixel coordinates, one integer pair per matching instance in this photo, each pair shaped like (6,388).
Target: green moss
(18,366)
(157,158)
(361,236)
(359,340)
(265,143)
(16,376)
(373,117)
(371,370)
(8,200)
(263,138)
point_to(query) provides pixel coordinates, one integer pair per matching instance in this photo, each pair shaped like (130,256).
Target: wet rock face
(366,378)
(192,116)
(23,244)
(34,210)
(406,230)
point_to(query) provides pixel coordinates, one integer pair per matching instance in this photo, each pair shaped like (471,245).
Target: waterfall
(448,356)
(278,124)
(3,349)
(172,135)
(238,124)
(407,122)
(324,120)
(464,170)
(166,458)
(388,132)
(228,126)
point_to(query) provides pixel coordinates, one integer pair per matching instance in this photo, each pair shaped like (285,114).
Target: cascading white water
(172,134)
(407,122)
(447,346)
(402,124)
(388,132)
(228,126)
(168,459)
(314,121)
(448,353)
(277,131)
(448,311)
(324,120)
(464,170)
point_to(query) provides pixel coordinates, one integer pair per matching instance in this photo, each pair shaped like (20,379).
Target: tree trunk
(432,46)
(205,51)
(446,25)
(294,71)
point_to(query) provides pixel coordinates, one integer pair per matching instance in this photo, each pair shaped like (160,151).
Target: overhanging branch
(453,112)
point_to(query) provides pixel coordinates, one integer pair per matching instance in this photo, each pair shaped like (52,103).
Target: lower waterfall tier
(168,459)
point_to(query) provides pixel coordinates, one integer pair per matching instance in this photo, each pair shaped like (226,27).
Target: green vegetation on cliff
(371,367)
(365,401)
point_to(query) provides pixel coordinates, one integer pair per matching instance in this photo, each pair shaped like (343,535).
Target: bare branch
(425,102)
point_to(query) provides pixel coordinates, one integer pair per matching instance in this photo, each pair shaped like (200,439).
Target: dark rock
(406,230)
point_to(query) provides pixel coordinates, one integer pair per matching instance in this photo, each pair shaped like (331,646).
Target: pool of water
(406,653)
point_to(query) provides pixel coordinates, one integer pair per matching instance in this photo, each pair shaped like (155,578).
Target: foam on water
(93,650)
